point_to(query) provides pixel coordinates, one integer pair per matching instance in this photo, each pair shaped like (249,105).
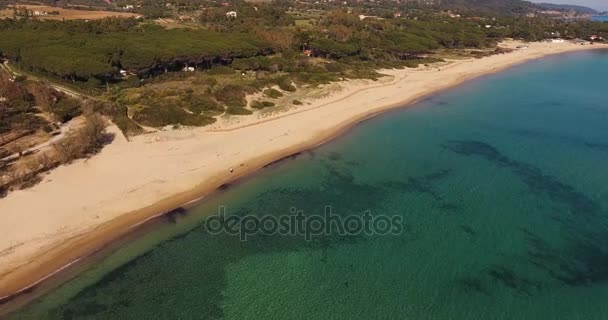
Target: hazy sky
(601,5)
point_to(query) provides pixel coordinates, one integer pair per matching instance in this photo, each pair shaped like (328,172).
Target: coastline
(122,171)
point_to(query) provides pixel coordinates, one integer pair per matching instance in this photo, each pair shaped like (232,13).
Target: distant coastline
(599,18)
(130,182)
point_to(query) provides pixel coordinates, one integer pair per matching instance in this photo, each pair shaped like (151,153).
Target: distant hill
(497,6)
(567,7)
(514,6)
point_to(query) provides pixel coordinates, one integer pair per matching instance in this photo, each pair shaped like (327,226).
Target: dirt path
(55,86)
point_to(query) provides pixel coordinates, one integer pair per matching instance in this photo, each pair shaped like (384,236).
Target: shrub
(262,104)
(253,63)
(47,128)
(161,116)
(199,104)
(220,70)
(285,84)
(334,67)
(273,93)
(297,102)
(232,96)
(66,109)
(257,105)
(317,78)
(411,64)
(118,113)
(238,111)
(85,142)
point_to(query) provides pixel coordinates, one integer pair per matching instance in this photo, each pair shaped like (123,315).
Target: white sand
(80,206)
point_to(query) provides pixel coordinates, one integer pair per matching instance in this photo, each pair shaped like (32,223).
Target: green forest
(96,51)
(130,65)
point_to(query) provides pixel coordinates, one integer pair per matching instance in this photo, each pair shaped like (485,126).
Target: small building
(363,17)
(397,15)
(558,40)
(188,69)
(596,38)
(231,14)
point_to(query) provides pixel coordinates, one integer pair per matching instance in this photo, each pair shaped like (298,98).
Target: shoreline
(61,251)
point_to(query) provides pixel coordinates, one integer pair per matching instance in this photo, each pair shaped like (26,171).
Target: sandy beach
(82,206)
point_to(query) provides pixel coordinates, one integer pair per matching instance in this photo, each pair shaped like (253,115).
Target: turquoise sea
(599,18)
(502,184)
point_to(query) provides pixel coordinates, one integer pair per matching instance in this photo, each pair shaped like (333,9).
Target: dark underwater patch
(175,213)
(277,162)
(469,231)
(582,262)
(224,187)
(206,257)
(334,156)
(434,100)
(425,184)
(562,139)
(473,285)
(450,207)
(511,279)
(532,176)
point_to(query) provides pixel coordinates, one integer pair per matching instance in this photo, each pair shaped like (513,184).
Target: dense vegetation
(30,112)
(81,51)
(23,102)
(96,51)
(287,45)
(567,7)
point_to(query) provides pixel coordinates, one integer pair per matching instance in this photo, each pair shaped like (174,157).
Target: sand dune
(83,205)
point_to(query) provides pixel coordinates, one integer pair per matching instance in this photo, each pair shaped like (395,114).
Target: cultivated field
(57,13)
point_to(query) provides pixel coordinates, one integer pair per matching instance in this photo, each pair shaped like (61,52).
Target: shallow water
(502,186)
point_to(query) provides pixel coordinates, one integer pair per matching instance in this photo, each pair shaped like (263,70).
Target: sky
(601,5)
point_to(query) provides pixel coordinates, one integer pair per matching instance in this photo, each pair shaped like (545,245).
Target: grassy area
(198,98)
(304,22)
(191,99)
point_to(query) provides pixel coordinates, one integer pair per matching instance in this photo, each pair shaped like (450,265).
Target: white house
(231,14)
(362,17)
